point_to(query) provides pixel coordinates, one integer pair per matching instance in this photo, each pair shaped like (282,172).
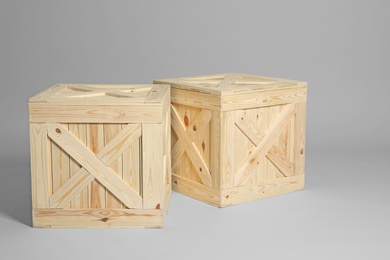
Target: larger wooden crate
(100,155)
(237,137)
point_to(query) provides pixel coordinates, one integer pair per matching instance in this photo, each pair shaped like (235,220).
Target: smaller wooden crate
(100,155)
(237,137)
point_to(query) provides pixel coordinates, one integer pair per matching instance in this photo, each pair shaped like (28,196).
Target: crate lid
(102,94)
(230,83)
(92,103)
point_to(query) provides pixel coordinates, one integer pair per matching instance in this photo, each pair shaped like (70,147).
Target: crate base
(229,197)
(101,218)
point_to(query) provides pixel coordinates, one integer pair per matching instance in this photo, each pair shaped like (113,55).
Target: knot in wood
(58,131)
(194,127)
(104,219)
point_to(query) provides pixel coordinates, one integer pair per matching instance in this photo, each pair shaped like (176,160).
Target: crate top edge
(230,83)
(103,94)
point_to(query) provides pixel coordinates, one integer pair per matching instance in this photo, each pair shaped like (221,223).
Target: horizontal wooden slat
(45,112)
(263,98)
(262,190)
(195,99)
(196,190)
(121,218)
(94,166)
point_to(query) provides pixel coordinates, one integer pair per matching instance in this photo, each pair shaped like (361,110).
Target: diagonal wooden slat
(265,144)
(248,128)
(107,155)
(192,152)
(200,122)
(277,158)
(228,82)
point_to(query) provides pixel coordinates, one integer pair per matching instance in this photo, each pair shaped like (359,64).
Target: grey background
(340,47)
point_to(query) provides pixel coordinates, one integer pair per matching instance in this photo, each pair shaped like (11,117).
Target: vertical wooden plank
(299,138)
(95,142)
(262,122)
(40,154)
(80,132)
(167,144)
(252,115)
(110,131)
(227,148)
(272,171)
(243,149)
(131,165)
(152,157)
(60,166)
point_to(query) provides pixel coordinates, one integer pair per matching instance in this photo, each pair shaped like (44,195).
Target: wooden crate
(100,155)
(237,137)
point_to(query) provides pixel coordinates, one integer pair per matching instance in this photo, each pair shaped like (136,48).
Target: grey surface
(339,47)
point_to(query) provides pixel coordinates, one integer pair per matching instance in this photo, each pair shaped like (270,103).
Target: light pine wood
(195,99)
(230,83)
(110,132)
(94,166)
(95,141)
(153,172)
(91,165)
(131,161)
(40,165)
(261,190)
(262,149)
(263,99)
(48,112)
(195,190)
(227,149)
(253,135)
(192,151)
(300,133)
(108,218)
(60,166)
(108,154)
(82,200)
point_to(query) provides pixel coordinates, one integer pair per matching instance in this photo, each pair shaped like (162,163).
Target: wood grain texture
(196,190)
(95,141)
(108,154)
(227,149)
(40,165)
(82,200)
(195,99)
(110,132)
(191,150)
(263,99)
(107,218)
(261,150)
(261,190)
(94,166)
(60,166)
(45,112)
(299,138)
(152,159)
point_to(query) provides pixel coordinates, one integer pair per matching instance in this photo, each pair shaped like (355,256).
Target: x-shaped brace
(94,166)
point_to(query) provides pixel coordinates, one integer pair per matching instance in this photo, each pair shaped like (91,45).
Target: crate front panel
(80,166)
